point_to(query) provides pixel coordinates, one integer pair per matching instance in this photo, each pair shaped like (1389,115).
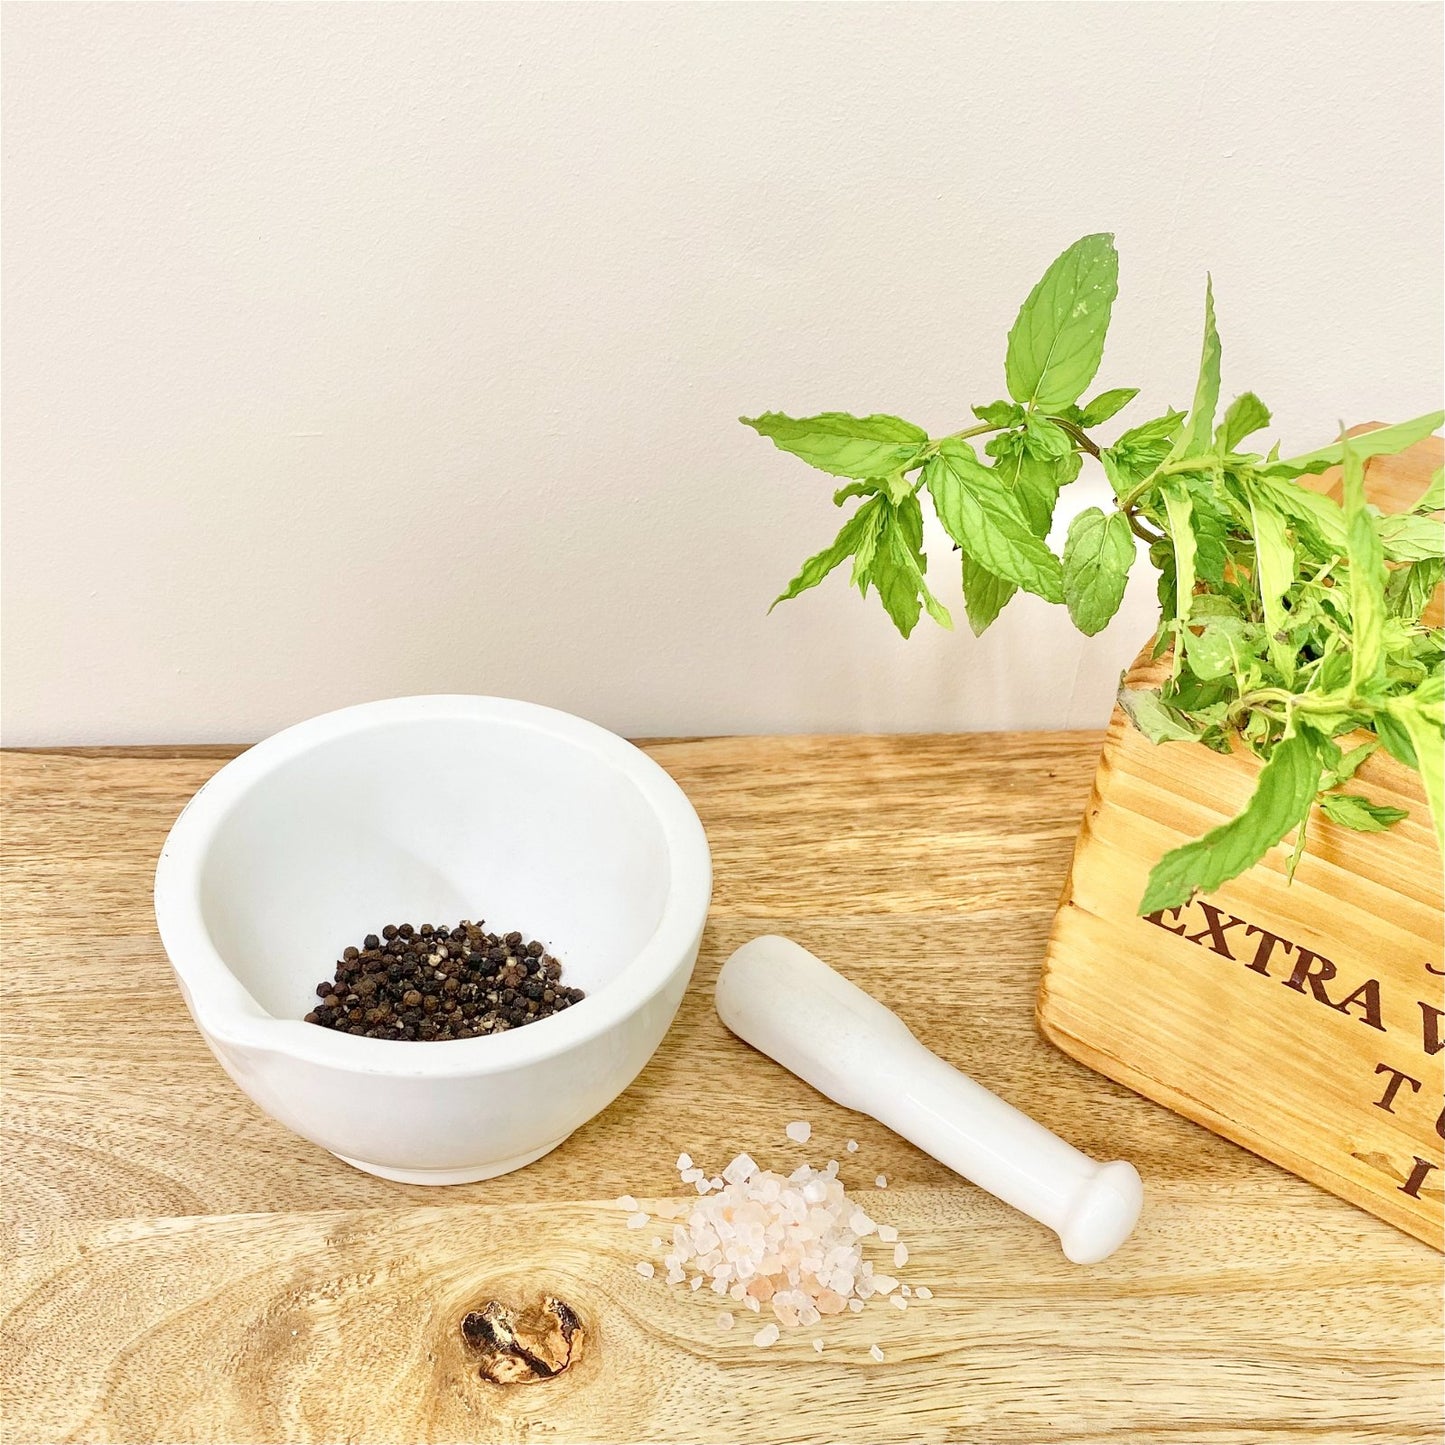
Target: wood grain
(1241,1041)
(182,1269)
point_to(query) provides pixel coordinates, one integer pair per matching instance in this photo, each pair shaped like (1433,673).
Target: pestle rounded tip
(1103,1214)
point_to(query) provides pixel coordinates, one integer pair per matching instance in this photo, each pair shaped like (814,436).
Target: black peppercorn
(432,982)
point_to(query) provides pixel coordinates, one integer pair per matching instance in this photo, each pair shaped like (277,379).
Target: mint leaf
(1221,648)
(1282,798)
(1044,439)
(1097,556)
(1322,513)
(984,595)
(1409,589)
(1152,432)
(1384,442)
(1412,539)
(1298,851)
(1199,432)
(867,544)
(1347,765)
(1395,739)
(1154,717)
(896,579)
(1274,569)
(1035,483)
(999,413)
(1179,507)
(1433,497)
(1106,404)
(1034,478)
(844,445)
(1057,342)
(897,569)
(1367,575)
(1418,715)
(1350,810)
(983,516)
(1139,451)
(909,516)
(860,529)
(1211,533)
(936,610)
(1244,416)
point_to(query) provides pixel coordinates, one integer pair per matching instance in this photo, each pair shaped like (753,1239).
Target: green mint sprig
(1289,621)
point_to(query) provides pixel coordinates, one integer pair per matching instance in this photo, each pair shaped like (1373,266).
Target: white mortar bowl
(431,810)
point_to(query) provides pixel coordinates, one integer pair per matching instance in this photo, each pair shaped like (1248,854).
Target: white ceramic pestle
(783,1001)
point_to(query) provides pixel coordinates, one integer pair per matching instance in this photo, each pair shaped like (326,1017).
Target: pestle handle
(791,1006)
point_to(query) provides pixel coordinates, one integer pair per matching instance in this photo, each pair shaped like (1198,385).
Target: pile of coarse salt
(792,1244)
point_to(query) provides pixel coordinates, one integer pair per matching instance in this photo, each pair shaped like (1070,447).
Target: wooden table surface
(180,1268)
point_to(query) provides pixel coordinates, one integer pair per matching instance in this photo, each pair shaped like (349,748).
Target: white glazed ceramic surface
(790,1005)
(429,810)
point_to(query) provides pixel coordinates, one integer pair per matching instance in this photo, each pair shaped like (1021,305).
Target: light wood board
(1340,1077)
(179,1268)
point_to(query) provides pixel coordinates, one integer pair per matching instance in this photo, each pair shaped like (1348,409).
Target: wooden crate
(1301,1020)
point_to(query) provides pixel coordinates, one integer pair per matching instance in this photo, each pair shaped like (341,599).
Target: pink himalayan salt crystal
(645,1269)
(876,1352)
(799,1131)
(887,1233)
(898,1302)
(724,1321)
(900,1255)
(818,1347)
(881,1182)
(923,1292)
(788,1246)
(766,1336)
(740,1170)
(628,1203)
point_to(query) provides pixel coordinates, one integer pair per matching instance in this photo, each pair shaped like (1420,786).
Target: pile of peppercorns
(440,983)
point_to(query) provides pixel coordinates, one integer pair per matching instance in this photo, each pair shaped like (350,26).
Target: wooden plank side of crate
(1301,1020)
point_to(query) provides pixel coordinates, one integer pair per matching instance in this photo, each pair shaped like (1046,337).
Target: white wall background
(360,350)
